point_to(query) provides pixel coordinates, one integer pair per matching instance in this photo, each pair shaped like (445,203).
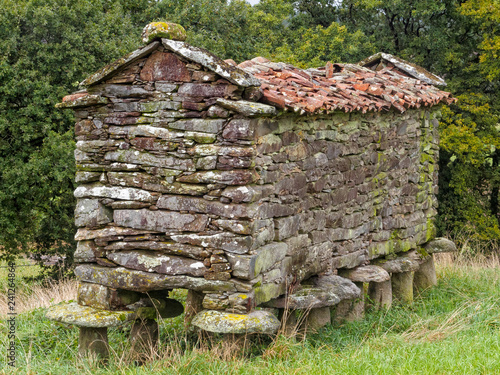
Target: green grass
(452,329)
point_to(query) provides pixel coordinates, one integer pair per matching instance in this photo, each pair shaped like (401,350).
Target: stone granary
(257,187)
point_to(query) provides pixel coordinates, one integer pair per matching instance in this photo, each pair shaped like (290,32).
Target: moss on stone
(166,30)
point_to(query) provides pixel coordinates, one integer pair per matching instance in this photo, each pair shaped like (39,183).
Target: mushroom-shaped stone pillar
(93,324)
(354,310)
(425,276)
(402,269)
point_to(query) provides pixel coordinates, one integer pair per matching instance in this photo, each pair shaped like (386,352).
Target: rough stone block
(160,221)
(92,213)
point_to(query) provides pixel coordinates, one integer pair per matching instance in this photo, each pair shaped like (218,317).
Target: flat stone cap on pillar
(258,321)
(366,274)
(406,263)
(325,291)
(84,316)
(440,245)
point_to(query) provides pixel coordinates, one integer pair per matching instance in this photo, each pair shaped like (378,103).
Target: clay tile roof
(345,87)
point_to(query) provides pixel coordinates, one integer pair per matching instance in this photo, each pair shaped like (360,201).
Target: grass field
(453,328)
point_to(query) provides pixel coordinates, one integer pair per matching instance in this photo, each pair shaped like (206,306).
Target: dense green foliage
(46,47)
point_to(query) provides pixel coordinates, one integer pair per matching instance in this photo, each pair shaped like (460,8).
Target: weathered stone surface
(86,177)
(366,274)
(248,267)
(153,131)
(232,211)
(307,297)
(318,318)
(165,66)
(199,125)
(340,286)
(286,227)
(93,295)
(89,234)
(240,129)
(93,342)
(246,108)
(140,281)
(212,62)
(425,277)
(206,90)
(235,177)
(194,304)
(224,241)
(144,158)
(258,321)
(84,316)
(84,252)
(91,213)
(402,286)
(112,68)
(144,336)
(243,193)
(174,248)
(166,30)
(154,262)
(159,221)
(83,101)
(380,294)
(440,245)
(113,192)
(400,264)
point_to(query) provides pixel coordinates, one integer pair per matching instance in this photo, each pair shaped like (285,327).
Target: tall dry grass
(40,295)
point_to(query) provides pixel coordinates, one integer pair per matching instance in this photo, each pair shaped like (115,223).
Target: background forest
(48,46)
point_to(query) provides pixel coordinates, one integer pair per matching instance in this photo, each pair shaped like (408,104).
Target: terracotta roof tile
(346,87)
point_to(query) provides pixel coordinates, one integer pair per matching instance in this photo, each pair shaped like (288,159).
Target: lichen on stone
(166,30)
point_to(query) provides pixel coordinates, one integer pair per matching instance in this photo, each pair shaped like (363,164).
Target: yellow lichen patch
(166,30)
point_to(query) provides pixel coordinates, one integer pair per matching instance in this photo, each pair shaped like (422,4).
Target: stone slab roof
(345,87)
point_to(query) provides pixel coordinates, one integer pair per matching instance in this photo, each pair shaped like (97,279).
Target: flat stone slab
(405,263)
(440,245)
(140,281)
(258,321)
(366,274)
(342,287)
(84,316)
(308,297)
(246,108)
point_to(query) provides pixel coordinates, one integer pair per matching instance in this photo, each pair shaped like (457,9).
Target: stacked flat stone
(186,181)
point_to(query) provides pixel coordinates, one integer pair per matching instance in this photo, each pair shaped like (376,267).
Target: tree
(46,48)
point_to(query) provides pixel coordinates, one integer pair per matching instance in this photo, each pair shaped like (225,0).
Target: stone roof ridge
(381,60)
(154,34)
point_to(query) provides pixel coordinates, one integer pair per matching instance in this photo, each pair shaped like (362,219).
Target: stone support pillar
(93,342)
(380,294)
(351,309)
(402,286)
(144,339)
(425,276)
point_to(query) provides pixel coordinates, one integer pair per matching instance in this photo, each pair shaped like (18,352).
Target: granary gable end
(251,185)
